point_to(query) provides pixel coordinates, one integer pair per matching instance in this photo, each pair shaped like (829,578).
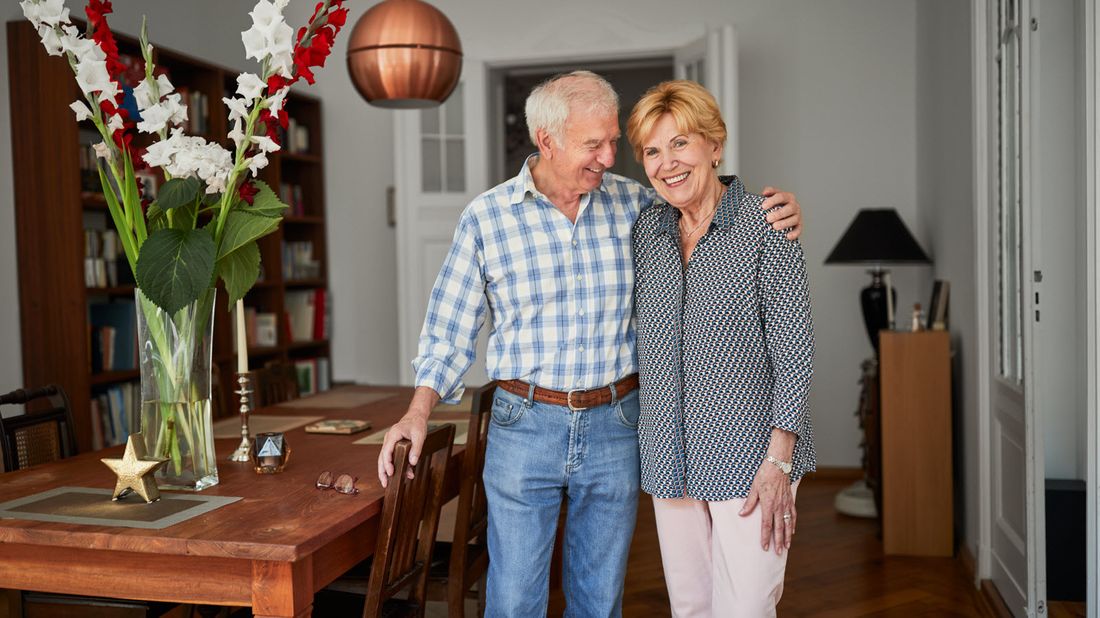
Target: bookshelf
(55,205)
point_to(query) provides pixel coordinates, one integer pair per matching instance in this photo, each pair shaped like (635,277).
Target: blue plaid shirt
(559,294)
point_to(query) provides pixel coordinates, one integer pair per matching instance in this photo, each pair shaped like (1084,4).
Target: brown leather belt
(576,399)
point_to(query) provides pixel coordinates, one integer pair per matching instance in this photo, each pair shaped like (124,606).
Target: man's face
(587,149)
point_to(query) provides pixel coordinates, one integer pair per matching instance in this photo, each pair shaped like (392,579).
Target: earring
(714,164)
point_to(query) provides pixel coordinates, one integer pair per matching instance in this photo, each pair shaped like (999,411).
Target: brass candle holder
(243,390)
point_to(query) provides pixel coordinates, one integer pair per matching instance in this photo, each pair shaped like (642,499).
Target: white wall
(828,110)
(944,166)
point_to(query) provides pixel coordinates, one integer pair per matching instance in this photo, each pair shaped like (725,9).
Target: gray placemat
(462,427)
(261,423)
(93,506)
(336,399)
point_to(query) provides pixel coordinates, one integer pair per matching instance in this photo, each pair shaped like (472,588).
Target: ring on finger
(786,517)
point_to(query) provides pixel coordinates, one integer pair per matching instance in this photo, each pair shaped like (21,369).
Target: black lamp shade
(877,236)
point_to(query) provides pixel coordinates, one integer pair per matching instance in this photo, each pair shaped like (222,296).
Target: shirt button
(574,243)
(580,278)
(580,348)
(581,313)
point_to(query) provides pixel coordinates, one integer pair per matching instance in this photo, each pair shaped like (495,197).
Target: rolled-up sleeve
(456,311)
(788,328)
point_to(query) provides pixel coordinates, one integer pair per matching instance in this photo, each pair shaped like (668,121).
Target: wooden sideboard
(917,491)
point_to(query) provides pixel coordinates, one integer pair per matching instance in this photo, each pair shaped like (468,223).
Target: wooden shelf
(299,157)
(306,283)
(306,345)
(112,377)
(118,290)
(303,219)
(50,239)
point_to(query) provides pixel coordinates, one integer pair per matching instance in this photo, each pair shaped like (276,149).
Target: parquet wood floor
(836,569)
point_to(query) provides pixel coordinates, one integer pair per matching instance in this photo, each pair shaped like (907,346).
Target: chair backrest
(39,435)
(275,383)
(410,518)
(469,562)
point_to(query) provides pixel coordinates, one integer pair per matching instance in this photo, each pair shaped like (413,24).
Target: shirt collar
(525,185)
(724,215)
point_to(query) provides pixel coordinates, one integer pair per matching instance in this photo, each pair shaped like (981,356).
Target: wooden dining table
(271,550)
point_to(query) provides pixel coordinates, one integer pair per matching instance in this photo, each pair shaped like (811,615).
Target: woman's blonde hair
(691,106)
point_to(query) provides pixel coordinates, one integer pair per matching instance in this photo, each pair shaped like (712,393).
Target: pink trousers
(714,566)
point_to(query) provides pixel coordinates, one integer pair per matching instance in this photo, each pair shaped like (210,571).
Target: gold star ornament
(135,470)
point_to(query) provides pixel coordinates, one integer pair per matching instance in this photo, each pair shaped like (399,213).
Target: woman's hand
(771,489)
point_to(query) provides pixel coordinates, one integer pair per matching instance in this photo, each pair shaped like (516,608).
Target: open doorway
(510,143)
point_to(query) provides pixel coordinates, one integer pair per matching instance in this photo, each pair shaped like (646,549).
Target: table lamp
(876,237)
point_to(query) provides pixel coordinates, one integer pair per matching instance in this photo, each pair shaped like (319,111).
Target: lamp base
(875,308)
(856,500)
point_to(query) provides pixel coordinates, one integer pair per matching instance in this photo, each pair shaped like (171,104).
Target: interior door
(441,164)
(1016,447)
(712,61)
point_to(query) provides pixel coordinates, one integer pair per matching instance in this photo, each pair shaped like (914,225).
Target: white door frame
(981,190)
(1092,315)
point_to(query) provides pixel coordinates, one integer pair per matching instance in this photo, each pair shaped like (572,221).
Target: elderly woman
(725,350)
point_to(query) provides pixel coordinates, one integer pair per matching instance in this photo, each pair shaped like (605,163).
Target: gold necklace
(706,218)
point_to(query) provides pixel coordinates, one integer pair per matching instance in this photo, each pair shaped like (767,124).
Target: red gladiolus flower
(247,192)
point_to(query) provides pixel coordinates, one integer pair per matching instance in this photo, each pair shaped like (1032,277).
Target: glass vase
(175,354)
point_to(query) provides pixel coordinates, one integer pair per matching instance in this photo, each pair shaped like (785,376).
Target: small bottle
(918,318)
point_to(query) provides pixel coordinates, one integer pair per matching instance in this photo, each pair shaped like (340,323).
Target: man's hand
(789,216)
(413,427)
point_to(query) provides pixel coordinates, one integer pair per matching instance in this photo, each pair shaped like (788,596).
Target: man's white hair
(549,104)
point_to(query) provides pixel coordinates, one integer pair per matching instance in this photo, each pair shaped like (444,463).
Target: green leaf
(243,227)
(239,270)
(175,267)
(155,217)
(265,204)
(179,192)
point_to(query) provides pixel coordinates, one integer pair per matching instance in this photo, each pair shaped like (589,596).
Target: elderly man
(547,255)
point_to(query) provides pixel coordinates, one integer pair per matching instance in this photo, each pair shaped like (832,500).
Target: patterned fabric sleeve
(456,311)
(788,328)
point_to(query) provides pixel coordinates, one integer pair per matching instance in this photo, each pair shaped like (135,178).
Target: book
(338,426)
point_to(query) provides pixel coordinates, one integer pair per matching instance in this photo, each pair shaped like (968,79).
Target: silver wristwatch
(785,466)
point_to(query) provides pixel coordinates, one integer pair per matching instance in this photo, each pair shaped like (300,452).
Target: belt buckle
(569,400)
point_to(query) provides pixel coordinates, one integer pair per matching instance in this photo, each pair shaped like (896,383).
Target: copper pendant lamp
(404,54)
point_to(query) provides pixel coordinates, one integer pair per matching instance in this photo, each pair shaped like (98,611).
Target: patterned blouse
(725,349)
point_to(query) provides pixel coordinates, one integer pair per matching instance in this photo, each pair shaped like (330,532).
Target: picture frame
(938,307)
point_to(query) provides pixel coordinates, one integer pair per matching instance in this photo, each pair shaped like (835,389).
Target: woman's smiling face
(680,166)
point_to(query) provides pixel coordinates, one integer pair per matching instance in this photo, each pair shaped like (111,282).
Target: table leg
(282,589)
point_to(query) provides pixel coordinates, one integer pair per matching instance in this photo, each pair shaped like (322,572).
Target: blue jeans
(536,454)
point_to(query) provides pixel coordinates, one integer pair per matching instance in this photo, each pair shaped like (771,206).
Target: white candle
(242,340)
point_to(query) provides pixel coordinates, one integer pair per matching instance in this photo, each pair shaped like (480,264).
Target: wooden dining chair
(406,534)
(44,433)
(458,565)
(275,383)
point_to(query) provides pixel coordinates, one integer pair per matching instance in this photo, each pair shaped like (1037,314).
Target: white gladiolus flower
(257,163)
(81,109)
(164,85)
(176,109)
(154,118)
(114,123)
(275,101)
(238,108)
(49,12)
(250,86)
(51,40)
(102,150)
(92,77)
(185,156)
(237,134)
(270,37)
(143,94)
(265,143)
